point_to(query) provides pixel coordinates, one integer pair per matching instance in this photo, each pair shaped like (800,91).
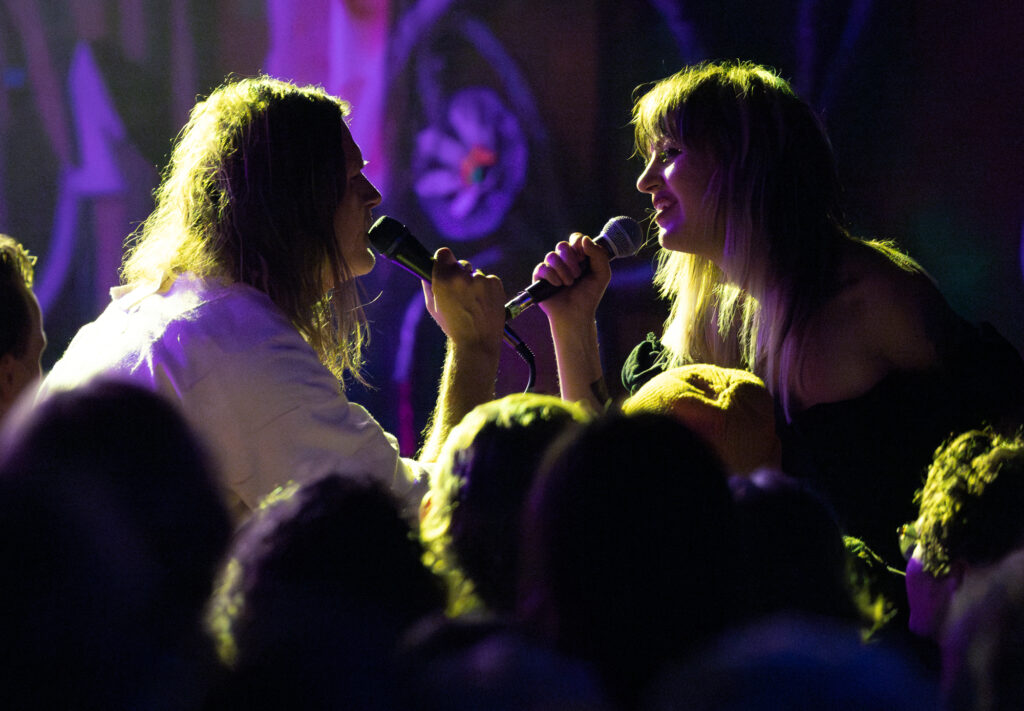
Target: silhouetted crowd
(558,560)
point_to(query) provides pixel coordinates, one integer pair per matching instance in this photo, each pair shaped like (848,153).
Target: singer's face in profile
(677,179)
(352,219)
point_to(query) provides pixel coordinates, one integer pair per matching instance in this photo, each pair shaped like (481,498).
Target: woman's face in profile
(677,179)
(353,217)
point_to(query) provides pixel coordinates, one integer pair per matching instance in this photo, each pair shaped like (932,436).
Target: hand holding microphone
(465,303)
(571,261)
(620,237)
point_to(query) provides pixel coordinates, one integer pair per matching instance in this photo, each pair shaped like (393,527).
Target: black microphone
(394,242)
(620,237)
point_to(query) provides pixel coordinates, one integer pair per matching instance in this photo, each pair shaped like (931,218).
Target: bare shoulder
(902,312)
(886,315)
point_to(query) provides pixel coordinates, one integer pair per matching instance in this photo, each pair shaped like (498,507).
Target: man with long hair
(239,298)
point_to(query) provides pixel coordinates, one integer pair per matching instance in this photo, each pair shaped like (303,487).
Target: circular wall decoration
(470,169)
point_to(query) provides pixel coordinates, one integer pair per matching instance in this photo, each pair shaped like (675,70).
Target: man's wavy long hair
(775,189)
(249,196)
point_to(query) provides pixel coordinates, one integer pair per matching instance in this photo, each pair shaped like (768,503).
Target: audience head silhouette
(471,516)
(22,339)
(113,528)
(970,518)
(630,550)
(321,583)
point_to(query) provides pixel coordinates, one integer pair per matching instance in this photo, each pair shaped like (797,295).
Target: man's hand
(467,304)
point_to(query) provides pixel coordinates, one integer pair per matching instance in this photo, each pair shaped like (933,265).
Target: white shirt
(246,381)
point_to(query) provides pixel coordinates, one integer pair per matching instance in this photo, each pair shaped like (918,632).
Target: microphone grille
(623,235)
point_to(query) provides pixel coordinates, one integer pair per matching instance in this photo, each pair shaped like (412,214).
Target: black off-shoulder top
(869,455)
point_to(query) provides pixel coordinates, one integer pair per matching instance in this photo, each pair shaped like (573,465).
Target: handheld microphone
(394,242)
(621,237)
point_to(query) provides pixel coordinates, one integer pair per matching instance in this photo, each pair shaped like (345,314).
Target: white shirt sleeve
(249,385)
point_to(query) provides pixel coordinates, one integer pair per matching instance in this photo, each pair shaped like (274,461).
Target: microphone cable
(513,340)
(393,241)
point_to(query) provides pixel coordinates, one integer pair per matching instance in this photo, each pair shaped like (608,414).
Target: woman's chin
(670,241)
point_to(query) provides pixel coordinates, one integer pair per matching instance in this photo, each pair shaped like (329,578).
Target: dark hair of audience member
(794,663)
(471,515)
(321,583)
(971,502)
(793,549)
(630,553)
(482,662)
(112,531)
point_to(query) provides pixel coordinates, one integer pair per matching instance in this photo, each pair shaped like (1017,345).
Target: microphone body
(620,237)
(394,241)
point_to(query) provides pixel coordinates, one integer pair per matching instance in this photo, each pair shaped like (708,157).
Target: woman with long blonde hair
(869,367)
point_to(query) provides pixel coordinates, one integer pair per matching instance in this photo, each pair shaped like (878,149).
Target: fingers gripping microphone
(395,243)
(620,237)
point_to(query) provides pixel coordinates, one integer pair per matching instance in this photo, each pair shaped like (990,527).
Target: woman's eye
(666,154)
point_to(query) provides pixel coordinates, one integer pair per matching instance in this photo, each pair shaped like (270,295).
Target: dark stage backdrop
(499,127)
